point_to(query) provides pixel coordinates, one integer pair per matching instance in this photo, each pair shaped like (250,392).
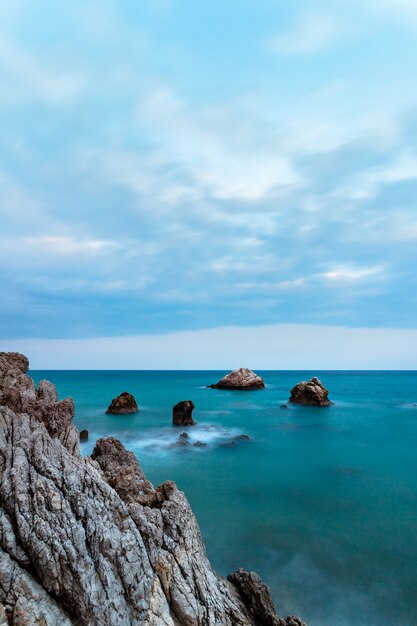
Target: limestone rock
(182,413)
(122,471)
(310,393)
(257,598)
(240,379)
(89,541)
(123,405)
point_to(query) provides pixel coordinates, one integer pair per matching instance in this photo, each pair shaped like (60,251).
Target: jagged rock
(283,406)
(241,379)
(89,540)
(122,471)
(83,436)
(182,413)
(310,393)
(123,405)
(18,392)
(257,598)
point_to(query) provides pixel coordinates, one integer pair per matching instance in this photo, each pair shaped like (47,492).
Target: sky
(171,169)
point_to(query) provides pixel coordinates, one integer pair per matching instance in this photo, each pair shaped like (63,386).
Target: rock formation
(258,600)
(123,404)
(241,379)
(83,436)
(182,413)
(184,442)
(310,393)
(233,441)
(89,541)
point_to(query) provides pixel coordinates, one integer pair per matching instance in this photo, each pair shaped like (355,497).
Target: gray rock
(89,540)
(241,379)
(257,598)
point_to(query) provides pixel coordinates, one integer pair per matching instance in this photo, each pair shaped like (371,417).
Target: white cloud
(312,33)
(351,273)
(59,245)
(216,146)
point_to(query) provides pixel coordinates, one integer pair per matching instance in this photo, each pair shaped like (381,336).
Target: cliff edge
(90,541)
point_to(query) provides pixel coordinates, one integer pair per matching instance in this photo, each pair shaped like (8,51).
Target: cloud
(69,245)
(58,245)
(215,147)
(351,273)
(311,33)
(178,196)
(28,79)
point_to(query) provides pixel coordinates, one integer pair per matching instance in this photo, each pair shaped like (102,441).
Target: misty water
(321,502)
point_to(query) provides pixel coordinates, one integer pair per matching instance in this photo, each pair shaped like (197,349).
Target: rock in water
(123,404)
(83,436)
(182,413)
(241,379)
(90,540)
(310,393)
(258,599)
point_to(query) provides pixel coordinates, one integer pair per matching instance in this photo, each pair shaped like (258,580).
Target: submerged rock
(310,393)
(182,413)
(123,405)
(89,540)
(241,379)
(185,442)
(233,441)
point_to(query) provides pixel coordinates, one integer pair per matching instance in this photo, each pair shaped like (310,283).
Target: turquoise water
(321,502)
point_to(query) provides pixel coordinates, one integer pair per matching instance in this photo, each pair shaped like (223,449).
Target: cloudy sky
(171,166)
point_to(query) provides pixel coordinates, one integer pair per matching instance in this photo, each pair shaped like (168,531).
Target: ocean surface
(322,502)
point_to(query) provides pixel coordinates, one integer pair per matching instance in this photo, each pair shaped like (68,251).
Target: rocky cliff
(89,541)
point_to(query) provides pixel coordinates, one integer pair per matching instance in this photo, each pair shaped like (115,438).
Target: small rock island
(123,405)
(241,379)
(182,413)
(310,393)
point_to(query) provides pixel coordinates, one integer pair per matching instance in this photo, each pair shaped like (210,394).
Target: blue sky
(176,166)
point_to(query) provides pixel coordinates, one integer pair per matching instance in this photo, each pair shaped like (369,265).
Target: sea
(321,502)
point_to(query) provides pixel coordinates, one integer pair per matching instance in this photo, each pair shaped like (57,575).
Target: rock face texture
(241,379)
(258,599)
(89,541)
(182,413)
(123,404)
(310,393)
